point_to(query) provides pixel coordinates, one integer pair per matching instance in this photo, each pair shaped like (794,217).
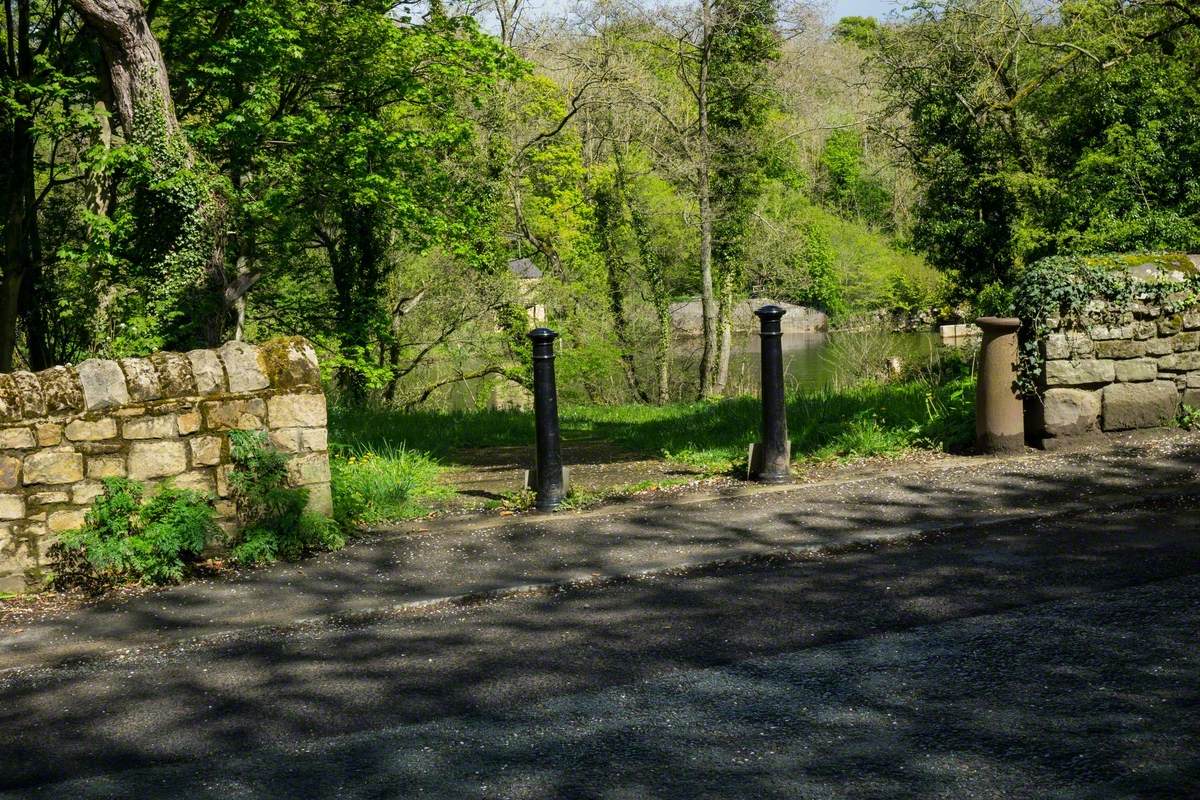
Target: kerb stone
(1139,405)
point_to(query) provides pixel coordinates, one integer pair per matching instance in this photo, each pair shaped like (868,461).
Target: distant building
(528,277)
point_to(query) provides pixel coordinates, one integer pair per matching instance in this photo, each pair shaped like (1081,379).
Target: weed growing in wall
(129,538)
(272,517)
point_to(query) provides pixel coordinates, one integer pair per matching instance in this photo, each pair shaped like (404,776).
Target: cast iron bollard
(772,461)
(549,473)
(999,412)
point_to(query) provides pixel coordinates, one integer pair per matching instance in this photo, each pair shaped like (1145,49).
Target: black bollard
(550,485)
(772,461)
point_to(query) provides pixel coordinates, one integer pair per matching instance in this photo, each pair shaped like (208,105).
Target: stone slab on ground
(411,567)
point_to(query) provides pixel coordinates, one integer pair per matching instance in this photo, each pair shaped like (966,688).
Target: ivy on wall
(1069,292)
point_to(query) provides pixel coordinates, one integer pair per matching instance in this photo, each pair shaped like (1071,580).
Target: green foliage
(862,31)
(126,538)
(1039,130)
(846,187)
(1189,418)
(272,515)
(381,482)
(995,300)
(820,288)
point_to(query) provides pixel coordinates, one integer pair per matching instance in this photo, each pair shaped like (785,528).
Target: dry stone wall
(165,417)
(1116,370)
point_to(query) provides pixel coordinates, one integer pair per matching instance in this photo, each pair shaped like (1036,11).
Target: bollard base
(530,485)
(754,466)
(998,444)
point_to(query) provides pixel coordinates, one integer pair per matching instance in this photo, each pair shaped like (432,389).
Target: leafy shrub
(1189,418)
(128,538)
(994,300)
(274,523)
(382,482)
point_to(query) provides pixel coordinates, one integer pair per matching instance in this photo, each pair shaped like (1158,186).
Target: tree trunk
(725,345)
(18,192)
(181,251)
(704,195)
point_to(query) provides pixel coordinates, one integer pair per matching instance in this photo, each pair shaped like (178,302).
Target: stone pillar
(999,411)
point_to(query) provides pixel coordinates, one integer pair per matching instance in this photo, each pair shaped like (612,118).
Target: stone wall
(149,419)
(1116,370)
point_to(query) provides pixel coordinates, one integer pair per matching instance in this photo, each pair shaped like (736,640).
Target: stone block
(1191,398)
(188,422)
(1137,369)
(84,493)
(10,399)
(1186,342)
(53,466)
(49,434)
(10,472)
(314,439)
(48,498)
(1056,346)
(103,384)
(141,378)
(290,362)
(1191,320)
(174,372)
(1070,412)
(17,439)
(60,388)
(198,481)
(12,506)
(1139,405)
(1180,362)
(156,459)
(286,440)
(29,392)
(222,476)
(1082,345)
(67,520)
(1084,372)
(1144,330)
(320,499)
(305,470)
(1193,380)
(1170,325)
(1160,347)
(296,411)
(207,372)
(161,427)
(106,466)
(247,414)
(83,430)
(1105,332)
(1120,348)
(206,451)
(243,366)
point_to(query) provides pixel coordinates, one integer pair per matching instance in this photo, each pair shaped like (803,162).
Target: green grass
(713,436)
(379,481)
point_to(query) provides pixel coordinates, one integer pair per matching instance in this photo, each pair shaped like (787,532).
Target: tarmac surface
(1004,628)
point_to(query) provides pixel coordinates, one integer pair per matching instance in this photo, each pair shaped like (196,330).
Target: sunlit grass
(868,420)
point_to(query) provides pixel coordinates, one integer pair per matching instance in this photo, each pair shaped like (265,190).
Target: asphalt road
(1053,659)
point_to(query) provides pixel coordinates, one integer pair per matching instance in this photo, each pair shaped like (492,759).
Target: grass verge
(868,420)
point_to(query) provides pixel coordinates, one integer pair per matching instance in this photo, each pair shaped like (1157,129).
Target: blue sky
(861,8)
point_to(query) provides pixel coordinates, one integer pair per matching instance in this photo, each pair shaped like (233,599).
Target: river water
(814,361)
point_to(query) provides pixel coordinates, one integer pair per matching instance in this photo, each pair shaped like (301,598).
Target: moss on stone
(289,362)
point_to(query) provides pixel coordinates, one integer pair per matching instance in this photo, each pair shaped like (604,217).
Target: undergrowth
(272,516)
(129,538)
